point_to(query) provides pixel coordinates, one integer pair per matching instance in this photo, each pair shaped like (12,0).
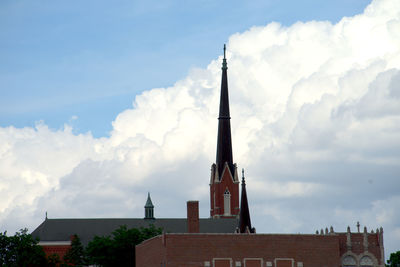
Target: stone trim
(54,243)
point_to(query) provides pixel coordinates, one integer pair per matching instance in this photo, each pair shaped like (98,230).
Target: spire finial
(224,65)
(224,51)
(243,175)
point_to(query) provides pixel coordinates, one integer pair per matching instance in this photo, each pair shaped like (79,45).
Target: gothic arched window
(366,261)
(349,261)
(227,203)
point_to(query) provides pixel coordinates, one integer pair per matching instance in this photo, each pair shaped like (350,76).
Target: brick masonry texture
(196,249)
(60,250)
(218,189)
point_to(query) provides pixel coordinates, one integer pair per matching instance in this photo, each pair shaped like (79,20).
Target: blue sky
(83,62)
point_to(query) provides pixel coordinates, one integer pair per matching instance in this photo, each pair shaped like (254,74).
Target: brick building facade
(262,250)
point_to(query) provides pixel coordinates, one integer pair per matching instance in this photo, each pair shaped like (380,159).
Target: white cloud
(315,119)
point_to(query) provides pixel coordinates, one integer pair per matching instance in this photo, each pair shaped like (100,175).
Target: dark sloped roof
(86,229)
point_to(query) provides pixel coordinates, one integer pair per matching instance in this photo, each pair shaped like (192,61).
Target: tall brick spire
(224,141)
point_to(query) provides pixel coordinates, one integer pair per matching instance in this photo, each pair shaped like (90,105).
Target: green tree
(76,254)
(21,249)
(118,250)
(100,251)
(53,260)
(149,232)
(124,245)
(394,260)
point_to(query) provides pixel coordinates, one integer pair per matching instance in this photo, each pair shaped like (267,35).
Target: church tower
(224,183)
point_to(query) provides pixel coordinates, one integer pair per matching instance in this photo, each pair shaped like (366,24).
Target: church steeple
(244,217)
(224,184)
(149,208)
(224,141)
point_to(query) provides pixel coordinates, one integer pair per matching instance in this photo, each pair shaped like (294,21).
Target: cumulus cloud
(315,121)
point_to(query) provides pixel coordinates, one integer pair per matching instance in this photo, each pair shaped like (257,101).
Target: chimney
(193,216)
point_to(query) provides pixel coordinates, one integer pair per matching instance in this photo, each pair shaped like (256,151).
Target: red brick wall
(195,249)
(219,189)
(60,250)
(373,245)
(253,263)
(284,263)
(357,243)
(151,252)
(222,263)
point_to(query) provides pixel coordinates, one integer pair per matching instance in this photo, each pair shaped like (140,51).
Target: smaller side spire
(244,217)
(149,208)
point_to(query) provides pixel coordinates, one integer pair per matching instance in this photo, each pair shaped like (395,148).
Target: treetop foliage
(21,249)
(118,249)
(394,260)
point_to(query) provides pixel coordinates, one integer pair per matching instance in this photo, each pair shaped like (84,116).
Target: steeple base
(224,193)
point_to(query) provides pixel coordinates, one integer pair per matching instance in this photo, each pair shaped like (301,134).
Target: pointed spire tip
(224,51)
(224,65)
